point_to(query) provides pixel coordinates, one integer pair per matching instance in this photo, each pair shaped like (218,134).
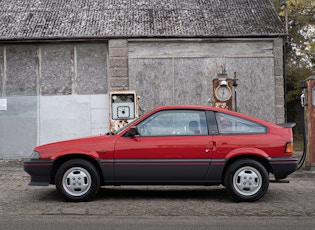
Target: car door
(172,146)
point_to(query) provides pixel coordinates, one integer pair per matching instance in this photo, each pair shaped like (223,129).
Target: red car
(171,145)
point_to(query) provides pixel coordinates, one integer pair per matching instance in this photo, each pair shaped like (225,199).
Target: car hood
(86,145)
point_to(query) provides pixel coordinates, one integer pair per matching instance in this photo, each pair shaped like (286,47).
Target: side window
(228,124)
(174,122)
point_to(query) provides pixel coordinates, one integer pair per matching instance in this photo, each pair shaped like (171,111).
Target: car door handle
(212,145)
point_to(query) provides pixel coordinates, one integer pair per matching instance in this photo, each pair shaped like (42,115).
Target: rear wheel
(77,180)
(246,180)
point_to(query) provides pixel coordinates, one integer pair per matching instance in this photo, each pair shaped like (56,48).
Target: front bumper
(282,167)
(39,170)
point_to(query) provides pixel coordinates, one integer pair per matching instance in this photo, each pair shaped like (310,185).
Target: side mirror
(133,131)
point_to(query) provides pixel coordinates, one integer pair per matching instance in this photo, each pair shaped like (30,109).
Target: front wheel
(77,180)
(246,180)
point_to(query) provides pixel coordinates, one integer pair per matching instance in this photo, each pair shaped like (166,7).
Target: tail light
(289,147)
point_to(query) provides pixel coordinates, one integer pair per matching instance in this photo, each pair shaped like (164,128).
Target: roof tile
(42,19)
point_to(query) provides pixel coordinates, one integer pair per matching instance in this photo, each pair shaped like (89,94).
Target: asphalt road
(285,206)
(157,223)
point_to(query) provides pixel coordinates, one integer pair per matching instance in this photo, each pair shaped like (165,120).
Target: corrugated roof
(49,19)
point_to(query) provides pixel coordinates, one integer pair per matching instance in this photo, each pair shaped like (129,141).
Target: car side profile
(171,145)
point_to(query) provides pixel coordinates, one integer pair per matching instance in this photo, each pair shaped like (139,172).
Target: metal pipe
(286,20)
(234,88)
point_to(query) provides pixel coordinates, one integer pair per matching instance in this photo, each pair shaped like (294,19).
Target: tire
(77,180)
(246,180)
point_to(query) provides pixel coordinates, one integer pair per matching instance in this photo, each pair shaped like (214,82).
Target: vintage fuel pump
(223,93)
(123,108)
(308,102)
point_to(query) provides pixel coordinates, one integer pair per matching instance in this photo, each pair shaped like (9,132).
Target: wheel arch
(62,159)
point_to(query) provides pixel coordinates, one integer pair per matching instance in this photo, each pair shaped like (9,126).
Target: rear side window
(228,124)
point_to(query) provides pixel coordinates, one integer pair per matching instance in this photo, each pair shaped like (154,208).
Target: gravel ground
(294,199)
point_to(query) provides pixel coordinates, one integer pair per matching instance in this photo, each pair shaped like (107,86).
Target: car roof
(201,107)
(210,108)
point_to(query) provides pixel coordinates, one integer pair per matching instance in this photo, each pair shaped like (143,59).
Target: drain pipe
(286,21)
(286,43)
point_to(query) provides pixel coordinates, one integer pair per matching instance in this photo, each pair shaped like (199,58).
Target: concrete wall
(53,92)
(173,72)
(58,91)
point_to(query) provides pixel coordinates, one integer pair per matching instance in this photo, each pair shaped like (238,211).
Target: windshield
(126,126)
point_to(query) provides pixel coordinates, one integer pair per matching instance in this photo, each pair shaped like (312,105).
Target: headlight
(35,156)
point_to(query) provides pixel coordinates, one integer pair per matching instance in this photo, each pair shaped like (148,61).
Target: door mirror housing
(133,131)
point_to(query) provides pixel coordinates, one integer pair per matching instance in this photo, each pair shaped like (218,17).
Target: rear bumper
(282,167)
(39,170)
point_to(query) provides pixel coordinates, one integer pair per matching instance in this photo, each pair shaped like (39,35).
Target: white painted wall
(18,127)
(35,120)
(67,117)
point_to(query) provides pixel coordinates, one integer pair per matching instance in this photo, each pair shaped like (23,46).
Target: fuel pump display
(123,108)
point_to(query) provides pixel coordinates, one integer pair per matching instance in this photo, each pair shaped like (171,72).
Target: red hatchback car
(171,145)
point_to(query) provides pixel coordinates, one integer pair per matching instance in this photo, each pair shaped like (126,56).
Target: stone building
(60,59)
